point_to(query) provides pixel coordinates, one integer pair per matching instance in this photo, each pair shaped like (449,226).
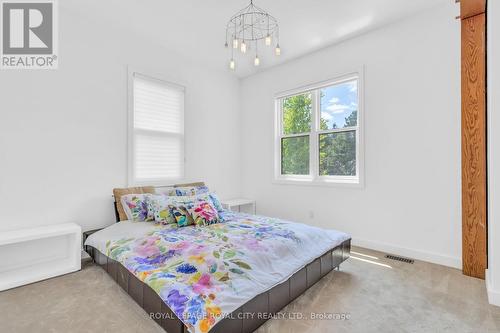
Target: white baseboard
(493,295)
(434,258)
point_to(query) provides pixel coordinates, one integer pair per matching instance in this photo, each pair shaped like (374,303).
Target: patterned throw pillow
(161,206)
(201,192)
(203,212)
(181,215)
(188,191)
(136,207)
(161,212)
(160,203)
(216,202)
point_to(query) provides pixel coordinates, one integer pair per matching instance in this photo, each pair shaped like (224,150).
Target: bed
(226,277)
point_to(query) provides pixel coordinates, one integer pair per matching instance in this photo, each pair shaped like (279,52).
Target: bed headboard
(119,192)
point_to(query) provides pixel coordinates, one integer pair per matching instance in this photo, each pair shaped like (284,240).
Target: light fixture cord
(267,24)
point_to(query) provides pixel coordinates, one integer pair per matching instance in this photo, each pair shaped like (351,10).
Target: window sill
(349,183)
(156,182)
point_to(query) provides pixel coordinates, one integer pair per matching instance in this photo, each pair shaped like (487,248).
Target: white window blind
(157,130)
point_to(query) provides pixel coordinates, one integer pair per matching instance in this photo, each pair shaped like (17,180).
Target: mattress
(204,274)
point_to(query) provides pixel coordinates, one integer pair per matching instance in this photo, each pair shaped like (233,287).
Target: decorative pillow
(188,191)
(202,192)
(160,206)
(216,202)
(160,210)
(119,192)
(181,215)
(136,207)
(203,212)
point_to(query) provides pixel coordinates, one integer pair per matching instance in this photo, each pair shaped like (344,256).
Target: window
(318,133)
(156,130)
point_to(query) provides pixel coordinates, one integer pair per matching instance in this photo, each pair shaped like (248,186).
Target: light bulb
(268,40)
(243,47)
(232,65)
(256,61)
(235,43)
(277,50)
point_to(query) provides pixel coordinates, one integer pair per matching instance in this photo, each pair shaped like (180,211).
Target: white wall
(493,274)
(410,204)
(63,133)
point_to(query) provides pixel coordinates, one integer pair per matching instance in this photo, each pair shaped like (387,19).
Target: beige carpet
(373,293)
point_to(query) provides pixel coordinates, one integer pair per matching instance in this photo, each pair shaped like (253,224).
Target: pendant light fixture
(248,27)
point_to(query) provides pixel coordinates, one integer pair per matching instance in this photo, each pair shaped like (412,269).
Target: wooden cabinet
(474,190)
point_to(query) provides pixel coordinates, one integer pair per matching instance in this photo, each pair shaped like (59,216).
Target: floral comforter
(205,273)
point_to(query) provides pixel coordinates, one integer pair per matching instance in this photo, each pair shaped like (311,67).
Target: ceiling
(196,28)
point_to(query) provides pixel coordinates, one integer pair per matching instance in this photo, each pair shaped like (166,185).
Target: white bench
(34,254)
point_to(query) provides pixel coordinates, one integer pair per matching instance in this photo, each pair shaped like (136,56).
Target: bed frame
(245,319)
(248,317)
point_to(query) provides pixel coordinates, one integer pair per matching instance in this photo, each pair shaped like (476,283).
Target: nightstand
(86,235)
(239,202)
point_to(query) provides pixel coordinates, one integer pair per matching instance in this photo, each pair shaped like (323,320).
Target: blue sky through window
(338,102)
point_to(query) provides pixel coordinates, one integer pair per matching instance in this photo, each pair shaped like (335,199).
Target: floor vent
(406,260)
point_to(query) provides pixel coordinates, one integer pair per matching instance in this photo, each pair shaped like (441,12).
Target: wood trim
(469,8)
(190,184)
(474,209)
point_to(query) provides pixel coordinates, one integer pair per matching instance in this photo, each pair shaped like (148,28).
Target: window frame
(314,178)
(132,131)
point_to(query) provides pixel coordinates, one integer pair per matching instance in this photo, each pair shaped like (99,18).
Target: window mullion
(280,115)
(313,140)
(339,130)
(294,135)
(318,128)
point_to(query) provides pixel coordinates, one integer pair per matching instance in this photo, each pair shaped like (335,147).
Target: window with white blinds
(157,131)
